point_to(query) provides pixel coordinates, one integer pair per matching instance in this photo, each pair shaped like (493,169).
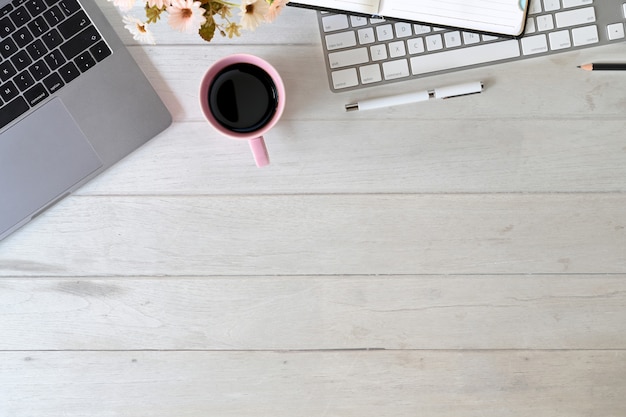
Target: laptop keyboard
(44,45)
(362,52)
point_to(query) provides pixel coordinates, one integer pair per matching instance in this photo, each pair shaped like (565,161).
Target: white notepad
(505,17)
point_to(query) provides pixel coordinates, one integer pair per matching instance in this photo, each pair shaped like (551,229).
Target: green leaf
(153,13)
(207,31)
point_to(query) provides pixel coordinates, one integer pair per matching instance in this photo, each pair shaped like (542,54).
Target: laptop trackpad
(41,158)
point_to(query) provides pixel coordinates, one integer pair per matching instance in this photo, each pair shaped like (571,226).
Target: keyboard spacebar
(471,55)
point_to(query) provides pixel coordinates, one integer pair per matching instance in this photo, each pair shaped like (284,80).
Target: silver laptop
(72,103)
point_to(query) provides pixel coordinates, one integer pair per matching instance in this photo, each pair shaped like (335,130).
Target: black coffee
(243,98)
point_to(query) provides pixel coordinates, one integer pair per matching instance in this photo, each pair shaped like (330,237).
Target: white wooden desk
(458,258)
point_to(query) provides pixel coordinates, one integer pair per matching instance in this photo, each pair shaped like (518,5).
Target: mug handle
(259,151)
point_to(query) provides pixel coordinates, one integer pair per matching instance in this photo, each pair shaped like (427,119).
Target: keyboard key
(52,39)
(12,111)
(39,70)
(396,69)
(53,16)
(344,78)
(53,82)
(397,49)
(340,40)
(38,26)
(100,51)
(575,17)
(24,81)
(54,60)
(616,30)
(587,35)
(452,39)
(7,48)
(560,40)
(23,37)
(575,3)
(84,61)
(36,95)
(6,27)
(403,30)
(532,45)
(366,36)
(69,72)
(457,58)
(35,7)
(434,42)
(36,49)
(21,60)
(335,22)
(69,7)
(74,25)
(370,74)
(348,58)
(384,33)
(7,70)
(80,42)
(5,10)
(378,52)
(416,46)
(19,16)
(9,91)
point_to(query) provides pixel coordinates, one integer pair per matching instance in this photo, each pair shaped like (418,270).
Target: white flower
(186,15)
(274,10)
(253,13)
(124,5)
(139,30)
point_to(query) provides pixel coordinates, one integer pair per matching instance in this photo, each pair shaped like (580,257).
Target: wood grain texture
(324,235)
(315,313)
(348,383)
(459,258)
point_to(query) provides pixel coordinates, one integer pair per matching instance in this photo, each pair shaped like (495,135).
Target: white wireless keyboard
(362,52)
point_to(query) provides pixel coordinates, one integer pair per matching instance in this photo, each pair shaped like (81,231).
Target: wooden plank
(558,156)
(375,383)
(300,313)
(323,235)
(176,71)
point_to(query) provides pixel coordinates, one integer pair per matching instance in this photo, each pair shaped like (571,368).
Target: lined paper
(495,16)
(484,15)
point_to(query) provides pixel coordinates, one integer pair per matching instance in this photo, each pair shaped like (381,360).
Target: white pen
(436,93)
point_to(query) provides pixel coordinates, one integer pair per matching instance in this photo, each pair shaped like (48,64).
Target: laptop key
(6,27)
(36,95)
(52,39)
(69,72)
(7,70)
(21,60)
(54,59)
(12,111)
(19,16)
(84,61)
(80,42)
(74,24)
(53,82)
(8,91)
(7,48)
(69,7)
(100,51)
(24,80)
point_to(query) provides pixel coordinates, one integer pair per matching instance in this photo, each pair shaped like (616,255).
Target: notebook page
(357,6)
(498,16)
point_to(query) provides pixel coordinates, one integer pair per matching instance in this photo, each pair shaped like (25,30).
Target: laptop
(73,102)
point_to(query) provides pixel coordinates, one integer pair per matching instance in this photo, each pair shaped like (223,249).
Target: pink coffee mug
(242,96)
